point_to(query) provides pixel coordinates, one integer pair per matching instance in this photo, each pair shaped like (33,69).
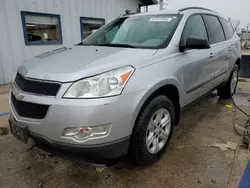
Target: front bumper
(119,111)
(97,154)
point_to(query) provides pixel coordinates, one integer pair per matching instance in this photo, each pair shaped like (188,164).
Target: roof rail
(202,8)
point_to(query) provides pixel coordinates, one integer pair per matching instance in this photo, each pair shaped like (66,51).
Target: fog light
(83,133)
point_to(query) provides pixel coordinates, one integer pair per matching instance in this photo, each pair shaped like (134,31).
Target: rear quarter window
(228,29)
(216,33)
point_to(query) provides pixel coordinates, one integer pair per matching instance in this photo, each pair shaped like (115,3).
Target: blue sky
(235,9)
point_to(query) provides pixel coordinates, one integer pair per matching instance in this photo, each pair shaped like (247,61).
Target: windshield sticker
(160,19)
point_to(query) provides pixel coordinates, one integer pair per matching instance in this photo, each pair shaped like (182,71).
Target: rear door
(219,49)
(231,42)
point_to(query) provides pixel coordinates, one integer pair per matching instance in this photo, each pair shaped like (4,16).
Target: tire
(228,90)
(141,151)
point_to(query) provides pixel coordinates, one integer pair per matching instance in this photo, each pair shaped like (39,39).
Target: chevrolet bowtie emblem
(19,96)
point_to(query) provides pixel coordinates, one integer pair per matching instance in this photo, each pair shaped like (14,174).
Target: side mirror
(195,43)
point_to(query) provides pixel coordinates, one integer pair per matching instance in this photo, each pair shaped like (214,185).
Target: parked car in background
(121,90)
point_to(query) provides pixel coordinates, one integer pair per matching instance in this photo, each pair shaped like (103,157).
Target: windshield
(146,31)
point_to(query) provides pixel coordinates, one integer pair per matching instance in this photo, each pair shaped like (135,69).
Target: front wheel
(152,131)
(228,90)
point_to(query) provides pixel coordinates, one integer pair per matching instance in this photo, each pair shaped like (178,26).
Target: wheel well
(238,62)
(173,94)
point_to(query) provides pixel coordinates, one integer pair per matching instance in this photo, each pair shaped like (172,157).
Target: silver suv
(121,90)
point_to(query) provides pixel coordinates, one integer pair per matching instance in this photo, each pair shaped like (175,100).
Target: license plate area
(19,131)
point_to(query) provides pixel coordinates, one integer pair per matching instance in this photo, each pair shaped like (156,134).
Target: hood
(70,64)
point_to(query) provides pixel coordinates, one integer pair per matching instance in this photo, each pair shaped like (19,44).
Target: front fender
(150,91)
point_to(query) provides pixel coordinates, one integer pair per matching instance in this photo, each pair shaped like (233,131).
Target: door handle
(229,49)
(211,55)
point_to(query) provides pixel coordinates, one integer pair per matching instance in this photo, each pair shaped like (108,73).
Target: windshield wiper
(108,44)
(121,45)
(80,44)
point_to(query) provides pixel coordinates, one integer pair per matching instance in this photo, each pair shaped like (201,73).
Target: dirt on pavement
(4,131)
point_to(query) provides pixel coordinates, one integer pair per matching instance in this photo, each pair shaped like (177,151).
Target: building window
(41,29)
(90,25)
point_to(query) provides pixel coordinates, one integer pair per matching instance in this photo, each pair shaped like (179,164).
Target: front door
(197,71)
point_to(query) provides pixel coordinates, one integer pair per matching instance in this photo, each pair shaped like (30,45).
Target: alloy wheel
(158,130)
(234,81)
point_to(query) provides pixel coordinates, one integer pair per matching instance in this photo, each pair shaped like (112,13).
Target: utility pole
(161,4)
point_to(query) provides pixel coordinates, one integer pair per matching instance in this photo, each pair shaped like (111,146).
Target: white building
(32,27)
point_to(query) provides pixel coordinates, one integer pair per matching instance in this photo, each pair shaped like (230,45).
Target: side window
(228,29)
(194,27)
(215,30)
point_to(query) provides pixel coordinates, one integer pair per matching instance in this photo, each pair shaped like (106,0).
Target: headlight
(104,85)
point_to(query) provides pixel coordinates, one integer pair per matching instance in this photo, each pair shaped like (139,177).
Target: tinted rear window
(215,30)
(228,29)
